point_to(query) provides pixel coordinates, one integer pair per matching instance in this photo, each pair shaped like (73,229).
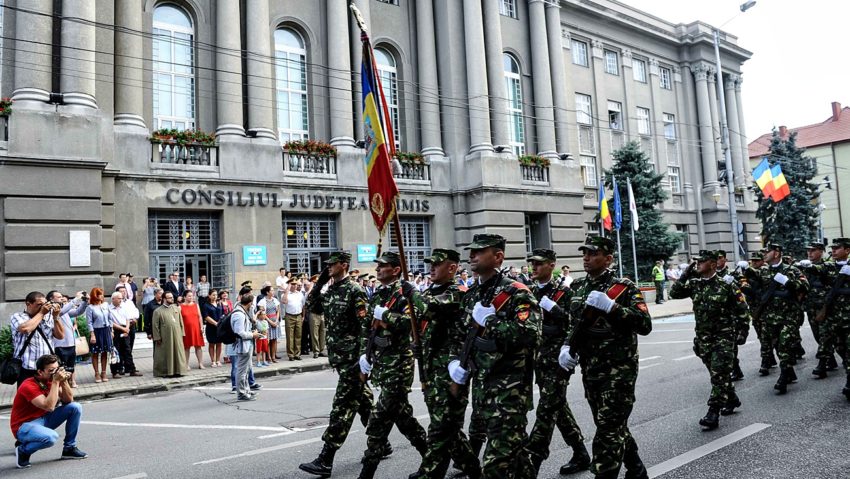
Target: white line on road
(649,366)
(286,433)
(691,356)
(264,450)
(648,359)
(705,449)
(140,475)
(282,430)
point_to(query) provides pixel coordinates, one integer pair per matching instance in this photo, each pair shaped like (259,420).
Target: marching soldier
(552,407)
(720,310)
(837,309)
(391,365)
(753,295)
(443,333)
(502,358)
(817,272)
(722,267)
(344,307)
(735,276)
(607,313)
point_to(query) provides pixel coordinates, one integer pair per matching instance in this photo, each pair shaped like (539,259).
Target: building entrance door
(197,265)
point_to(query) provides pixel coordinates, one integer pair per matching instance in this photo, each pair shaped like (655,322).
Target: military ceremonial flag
(780,185)
(632,206)
(764,178)
(618,208)
(604,214)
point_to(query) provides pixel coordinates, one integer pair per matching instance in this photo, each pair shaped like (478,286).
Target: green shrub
(5,342)
(82,326)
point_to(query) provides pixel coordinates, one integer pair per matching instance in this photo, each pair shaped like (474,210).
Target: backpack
(224,330)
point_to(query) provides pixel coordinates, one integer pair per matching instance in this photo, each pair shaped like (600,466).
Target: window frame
(513,85)
(508,8)
(642,77)
(389,2)
(171,31)
(669,121)
(588,164)
(414,254)
(644,124)
(665,76)
(584,109)
(392,94)
(279,48)
(585,61)
(677,174)
(619,110)
(608,67)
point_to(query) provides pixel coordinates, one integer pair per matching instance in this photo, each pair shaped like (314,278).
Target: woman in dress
(192,325)
(190,286)
(100,324)
(212,315)
(271,306)
(226,304)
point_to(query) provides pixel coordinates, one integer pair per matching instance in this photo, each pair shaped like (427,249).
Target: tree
(793,222)
(653,240)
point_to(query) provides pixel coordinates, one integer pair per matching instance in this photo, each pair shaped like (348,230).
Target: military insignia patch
(639,296)
(523,313)
(642,307)
(361,313)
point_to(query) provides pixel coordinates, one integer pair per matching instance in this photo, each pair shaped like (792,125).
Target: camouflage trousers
(552,411)
(823,334)
(765,348)
(611,396)
(502,416)
(392,409)
(718,355)
(841,337)
(351,397)
(781,337)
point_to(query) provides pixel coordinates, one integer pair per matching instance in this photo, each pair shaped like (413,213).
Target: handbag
(11,368)
(81,345)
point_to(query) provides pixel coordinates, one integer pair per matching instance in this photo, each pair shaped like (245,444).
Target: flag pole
(619,253)
(632,224)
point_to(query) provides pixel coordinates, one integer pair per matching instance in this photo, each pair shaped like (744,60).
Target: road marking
(140,475)
(282,430)
(264,450)
(650,366)
(294,430)
(705,449)
(217,388)
(664,342)
(648,359)
(690,356)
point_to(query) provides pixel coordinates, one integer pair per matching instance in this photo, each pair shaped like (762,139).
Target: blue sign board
(253,255)
(366,253)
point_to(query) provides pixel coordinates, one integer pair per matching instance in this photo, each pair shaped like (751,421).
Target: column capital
(653,67)
(597,48)
(700,71)
(627,57)
(677,74)
(731,80)
(565,38)
(738,83)
(553,5)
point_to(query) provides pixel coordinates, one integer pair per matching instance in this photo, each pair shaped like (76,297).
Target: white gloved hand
(379,312)
(457,373)
(743,264)
(845,269)
(780,278)
(365,367)
(481,312)
(600,300)
(728,279)
(805,263)
(547,303)
(566,360)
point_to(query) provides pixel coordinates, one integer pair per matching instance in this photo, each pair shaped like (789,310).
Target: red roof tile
(824,133)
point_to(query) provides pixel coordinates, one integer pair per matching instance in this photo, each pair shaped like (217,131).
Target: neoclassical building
(472,85)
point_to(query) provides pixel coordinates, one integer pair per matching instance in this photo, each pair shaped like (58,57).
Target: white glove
(547,303)
(781,278)
(379,312)
(742,264)
(365,367)
(481,312)
(805,263)
(600,300)
(845,269)
(728,279)
(566,360)
(457,373)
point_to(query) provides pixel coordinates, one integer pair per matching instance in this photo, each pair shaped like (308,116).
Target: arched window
(513,84)
(291,85)
(173,69)
(389,81)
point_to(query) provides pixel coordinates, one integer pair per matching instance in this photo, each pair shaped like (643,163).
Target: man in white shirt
(294,309)
(125,314)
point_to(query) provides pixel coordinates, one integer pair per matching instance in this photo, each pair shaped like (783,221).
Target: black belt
(485,345)
(382,343)
(781,294)
(842,291)
(549,330)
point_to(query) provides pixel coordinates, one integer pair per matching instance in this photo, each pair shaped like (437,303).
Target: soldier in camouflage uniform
(502,360)
(781,284)
(607,353)
(736,276)
(391,364)
(720,310)
(838,304)
(753,295)
(817,271)
(552,407)
(344,307)
(443,333)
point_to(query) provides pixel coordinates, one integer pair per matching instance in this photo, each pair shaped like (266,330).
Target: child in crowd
(263,340)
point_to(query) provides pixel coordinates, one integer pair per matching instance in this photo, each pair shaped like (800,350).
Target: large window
(612,62)
(584,110)
(416,234)
(666,78)
(643,121)
(291,85)
(639,70)
(508,8)
(513,84)
(308,240)
(669,126)
(579,50)
(674,175)
(389,81)
(615,115)
(588,170)
(173,69)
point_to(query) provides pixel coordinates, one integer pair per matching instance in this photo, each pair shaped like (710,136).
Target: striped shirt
(38,347)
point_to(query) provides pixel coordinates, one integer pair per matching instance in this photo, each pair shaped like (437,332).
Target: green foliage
(653,240)
(82,326)
(5,343)
(793,222)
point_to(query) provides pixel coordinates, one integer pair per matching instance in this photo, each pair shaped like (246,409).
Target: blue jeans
(40,434)
(251,380)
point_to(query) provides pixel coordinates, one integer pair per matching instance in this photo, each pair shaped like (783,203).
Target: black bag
(224,330)
(11,368)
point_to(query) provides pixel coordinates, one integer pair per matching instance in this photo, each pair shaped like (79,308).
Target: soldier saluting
(607,313)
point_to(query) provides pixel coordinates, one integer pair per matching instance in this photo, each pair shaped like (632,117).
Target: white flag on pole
(632,206)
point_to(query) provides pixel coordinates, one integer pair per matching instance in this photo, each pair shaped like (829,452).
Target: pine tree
(653,239)
(793,222)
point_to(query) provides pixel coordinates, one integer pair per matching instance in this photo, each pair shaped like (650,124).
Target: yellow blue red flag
(764,178)
(780,185)
(604,214)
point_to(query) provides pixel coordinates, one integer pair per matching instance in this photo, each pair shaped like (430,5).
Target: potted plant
(533,160)
(6,107)
(310,147)
(410,158)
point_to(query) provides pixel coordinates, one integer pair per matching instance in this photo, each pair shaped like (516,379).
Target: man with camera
(36,412)
(65,348)
(33,330)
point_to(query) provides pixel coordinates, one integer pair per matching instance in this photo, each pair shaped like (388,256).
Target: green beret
(840,242)
(774,247)
(341,256)
(816,245)
(598,243)
(706,255)
(389,257)
(757,256)
(481,241)
(439,255)
(542,254)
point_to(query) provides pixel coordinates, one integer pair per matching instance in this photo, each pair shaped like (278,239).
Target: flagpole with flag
(604,213)
(380,149)
(635,224)
(618,222)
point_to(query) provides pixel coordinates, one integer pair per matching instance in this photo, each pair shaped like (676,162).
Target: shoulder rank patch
(523,312)
(642,306)
(361,313)
(640,296)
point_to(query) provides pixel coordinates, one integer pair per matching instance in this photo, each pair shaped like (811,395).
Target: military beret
(542,254)
(439,255)
(341,256)
(481,241)
(389,257)
(840,242)
(598,243)
(816,245)
(706,255)
(773,247)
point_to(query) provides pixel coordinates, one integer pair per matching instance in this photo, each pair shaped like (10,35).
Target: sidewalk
(671,307)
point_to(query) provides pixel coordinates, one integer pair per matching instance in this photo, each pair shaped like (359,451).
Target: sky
(799,64)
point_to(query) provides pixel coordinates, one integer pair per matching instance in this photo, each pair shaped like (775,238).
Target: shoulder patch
(523,314)
(642,306)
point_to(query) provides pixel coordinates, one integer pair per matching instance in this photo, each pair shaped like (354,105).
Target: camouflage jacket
(840,301)
(784,303)
(818,276)
(344,306)
(512,336)
(393,358)
(555,323)
(750,288)
(611,340)
(443,330)
(720,309)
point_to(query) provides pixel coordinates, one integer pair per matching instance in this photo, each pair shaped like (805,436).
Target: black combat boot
(322,466)
(772,360)
(365,412)
(476,446)
(737,374)
(711,419)
(386,450)
(792,376)
(782,383)
(579,462)
(799,351)
(820,370)
(634,466)
(368,471)
(846,390)
(536,461)
(764,369)
(421,445)
(730,406)
(831,363)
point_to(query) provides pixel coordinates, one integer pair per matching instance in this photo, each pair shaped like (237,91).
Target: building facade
(471,84)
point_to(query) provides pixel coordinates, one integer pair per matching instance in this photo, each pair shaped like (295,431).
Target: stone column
(129,73)
(78,57)
(476,77)
(429,100)
(339,75)
(500,122)
(558,73)
(742,130)
(33,53)
(734,128)
(716,132)
(228,75)
(260,87)
(542,79)
(706,132)
(356,61)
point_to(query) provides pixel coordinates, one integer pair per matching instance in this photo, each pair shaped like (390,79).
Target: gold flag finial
(358,17)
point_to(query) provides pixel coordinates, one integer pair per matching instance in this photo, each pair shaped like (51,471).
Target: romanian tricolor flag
(380,145)
(780,186)
(764,178)
(604,214)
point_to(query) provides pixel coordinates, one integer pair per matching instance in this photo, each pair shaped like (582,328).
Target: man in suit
(175,286)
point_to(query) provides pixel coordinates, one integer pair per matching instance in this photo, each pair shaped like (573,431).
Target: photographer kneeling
(35,412)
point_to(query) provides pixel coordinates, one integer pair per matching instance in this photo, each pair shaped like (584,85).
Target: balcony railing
(411,171)
(194,154)
(535,173)
(309,163)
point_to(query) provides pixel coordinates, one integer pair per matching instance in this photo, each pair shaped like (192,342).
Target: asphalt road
(204,433)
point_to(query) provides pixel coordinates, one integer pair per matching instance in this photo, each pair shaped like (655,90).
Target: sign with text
(254,255)
(366,253)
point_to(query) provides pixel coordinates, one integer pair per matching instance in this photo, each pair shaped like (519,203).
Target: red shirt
(23,410)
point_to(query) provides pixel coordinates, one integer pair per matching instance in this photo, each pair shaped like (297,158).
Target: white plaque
(80,248)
